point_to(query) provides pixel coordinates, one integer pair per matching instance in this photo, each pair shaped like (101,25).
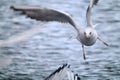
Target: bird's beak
(87,36)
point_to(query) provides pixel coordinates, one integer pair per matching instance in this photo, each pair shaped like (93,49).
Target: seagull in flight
(86,36)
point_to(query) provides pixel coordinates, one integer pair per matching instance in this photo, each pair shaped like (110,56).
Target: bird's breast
(87,41)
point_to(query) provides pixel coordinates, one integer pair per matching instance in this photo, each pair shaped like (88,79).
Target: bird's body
(87,40)
(86,36)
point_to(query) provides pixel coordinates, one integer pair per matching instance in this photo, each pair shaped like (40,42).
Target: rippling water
(37,57)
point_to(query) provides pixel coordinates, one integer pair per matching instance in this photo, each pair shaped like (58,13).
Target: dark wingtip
(12,7)
(95,2)
(57,71)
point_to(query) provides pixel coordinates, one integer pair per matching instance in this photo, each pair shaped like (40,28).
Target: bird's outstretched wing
(45,14)
(62,72)
(59,74)
(72,76)
(88,13)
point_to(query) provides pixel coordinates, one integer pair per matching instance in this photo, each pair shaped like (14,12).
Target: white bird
(62,72)
(86,36)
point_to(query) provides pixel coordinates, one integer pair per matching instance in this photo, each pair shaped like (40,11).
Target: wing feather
(95,2)
(88,13)
(45,14)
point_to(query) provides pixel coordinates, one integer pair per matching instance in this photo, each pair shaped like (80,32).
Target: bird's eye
(90,33)
(85,33)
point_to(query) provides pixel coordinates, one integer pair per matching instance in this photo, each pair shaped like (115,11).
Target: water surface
(36,57)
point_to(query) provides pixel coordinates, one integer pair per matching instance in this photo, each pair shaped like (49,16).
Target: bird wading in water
(86,36)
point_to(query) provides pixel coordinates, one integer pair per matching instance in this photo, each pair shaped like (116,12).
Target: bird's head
(88,32)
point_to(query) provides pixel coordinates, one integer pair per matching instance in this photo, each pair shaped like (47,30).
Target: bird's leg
(103,41)
(83,52)
(82,48)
